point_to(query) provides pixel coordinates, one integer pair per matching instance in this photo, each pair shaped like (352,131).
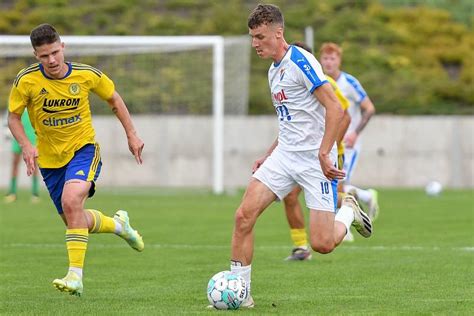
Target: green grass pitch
(419,260)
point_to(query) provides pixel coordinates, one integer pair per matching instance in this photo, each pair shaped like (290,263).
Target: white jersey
(353,91)
(301,116)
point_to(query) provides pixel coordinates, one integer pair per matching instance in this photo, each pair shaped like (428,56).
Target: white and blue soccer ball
(227,290)
(433,188)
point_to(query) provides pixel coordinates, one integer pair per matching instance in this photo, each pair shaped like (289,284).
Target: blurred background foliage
(412,56)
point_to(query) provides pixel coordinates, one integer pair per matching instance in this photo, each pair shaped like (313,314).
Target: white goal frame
(215,42)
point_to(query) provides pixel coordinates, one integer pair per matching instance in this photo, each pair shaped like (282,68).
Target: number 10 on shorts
(324,187)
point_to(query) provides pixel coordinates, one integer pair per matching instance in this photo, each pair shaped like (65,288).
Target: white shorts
(283,170)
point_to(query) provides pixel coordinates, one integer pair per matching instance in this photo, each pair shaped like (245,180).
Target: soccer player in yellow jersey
(56,94)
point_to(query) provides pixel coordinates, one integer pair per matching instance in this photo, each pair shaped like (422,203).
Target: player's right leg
(295,218)
(256,199)
(272,180)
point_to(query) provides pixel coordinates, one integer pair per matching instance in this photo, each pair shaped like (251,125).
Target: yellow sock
(299,237)
(101,223)
(76,243)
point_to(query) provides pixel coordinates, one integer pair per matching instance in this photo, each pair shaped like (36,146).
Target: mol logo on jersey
(279,97)
(60,105)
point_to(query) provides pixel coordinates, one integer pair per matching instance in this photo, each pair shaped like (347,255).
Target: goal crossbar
(19,45)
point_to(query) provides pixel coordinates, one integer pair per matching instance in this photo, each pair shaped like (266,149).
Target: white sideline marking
(189,246)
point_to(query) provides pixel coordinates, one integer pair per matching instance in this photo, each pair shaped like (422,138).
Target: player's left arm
(334,113)
(367,109)
(135,144)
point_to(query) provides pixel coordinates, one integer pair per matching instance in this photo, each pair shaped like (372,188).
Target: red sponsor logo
(280,96)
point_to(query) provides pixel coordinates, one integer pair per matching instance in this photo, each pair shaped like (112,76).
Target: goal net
(174,77)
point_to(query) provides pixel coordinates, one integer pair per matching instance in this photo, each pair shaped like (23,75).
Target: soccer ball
(227,290)
(433,188)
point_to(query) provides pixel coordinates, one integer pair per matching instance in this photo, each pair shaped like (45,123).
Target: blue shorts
(85,165)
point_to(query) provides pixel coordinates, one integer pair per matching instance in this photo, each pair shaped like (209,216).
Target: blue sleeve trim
(302,62)
(357,86)
(319,85)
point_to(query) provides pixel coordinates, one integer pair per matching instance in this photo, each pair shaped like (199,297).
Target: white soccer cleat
(131,236)
(248,303)
(71,283)
(362,222)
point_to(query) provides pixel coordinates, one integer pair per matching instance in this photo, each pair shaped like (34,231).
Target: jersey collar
(69,69)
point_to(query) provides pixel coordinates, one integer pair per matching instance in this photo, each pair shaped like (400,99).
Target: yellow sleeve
(17,101)
(104,87)
(342,99)
(344,102)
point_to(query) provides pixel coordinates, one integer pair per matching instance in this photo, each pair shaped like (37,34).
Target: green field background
(419,261)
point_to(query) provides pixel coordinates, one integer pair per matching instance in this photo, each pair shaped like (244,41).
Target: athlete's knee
(244,220)
(323,246)
(70,202)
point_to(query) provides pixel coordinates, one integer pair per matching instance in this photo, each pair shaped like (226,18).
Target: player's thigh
(275,175)
(81,173)
(75,193)
(256,199)
(319,192)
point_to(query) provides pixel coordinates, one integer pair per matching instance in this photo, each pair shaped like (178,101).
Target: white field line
(277,247)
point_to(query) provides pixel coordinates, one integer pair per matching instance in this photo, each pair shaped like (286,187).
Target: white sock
(76,270)
(345,215)
(118,227)
(243,271)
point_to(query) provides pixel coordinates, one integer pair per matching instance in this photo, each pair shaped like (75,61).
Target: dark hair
(265,14)
(44,34)
(303,46)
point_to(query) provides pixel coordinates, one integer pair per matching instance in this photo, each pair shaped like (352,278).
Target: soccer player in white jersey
(360,110)
(303,154)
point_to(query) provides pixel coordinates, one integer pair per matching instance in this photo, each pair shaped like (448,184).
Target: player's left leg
(74,194)
(295,218)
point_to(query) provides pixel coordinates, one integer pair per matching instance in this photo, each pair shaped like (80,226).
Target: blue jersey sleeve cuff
(319,84)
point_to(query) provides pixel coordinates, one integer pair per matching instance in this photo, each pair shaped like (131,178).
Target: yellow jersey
(59,109)
(345,105)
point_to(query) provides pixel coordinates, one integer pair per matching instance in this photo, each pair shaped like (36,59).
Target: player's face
(265,39)
(331,62)
(51,56)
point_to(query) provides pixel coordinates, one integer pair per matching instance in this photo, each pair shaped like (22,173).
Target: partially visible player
(293,210)
(360,110)
(56,94)
(11,195)
(303,154)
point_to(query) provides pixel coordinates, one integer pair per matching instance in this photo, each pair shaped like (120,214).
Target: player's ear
(279,32)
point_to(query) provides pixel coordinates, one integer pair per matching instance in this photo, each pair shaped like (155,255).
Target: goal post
(12,46)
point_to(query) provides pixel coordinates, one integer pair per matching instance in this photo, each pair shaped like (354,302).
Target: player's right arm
(334,113)
(16,105)
(29,152)
(260,160)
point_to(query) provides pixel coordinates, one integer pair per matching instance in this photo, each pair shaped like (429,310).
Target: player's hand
(135,144)
(30,154)
(258,163)
(350,139)
(329,169)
